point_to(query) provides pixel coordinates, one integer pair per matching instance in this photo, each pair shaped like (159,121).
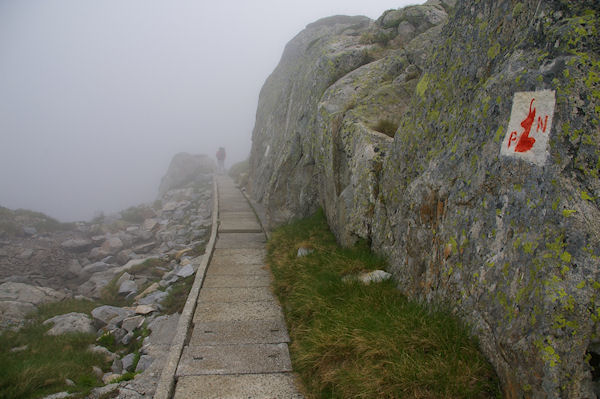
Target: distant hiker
(221,159)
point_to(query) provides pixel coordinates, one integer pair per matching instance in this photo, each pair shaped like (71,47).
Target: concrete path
(238,344)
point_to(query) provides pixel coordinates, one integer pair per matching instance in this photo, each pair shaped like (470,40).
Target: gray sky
(97,96)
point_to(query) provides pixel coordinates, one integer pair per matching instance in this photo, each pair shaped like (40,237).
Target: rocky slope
(135,258)
(510,238)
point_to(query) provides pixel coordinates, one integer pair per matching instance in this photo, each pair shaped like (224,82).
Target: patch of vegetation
(355,341)
(175,301)
(45,363)
(386,127)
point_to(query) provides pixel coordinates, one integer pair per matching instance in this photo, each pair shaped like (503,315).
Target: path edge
(166,384)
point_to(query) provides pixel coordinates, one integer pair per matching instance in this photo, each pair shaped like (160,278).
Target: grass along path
(356,341)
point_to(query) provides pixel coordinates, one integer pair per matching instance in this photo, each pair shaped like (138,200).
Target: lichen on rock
(513,246)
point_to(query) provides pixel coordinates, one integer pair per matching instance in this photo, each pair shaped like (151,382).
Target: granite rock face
(512,243)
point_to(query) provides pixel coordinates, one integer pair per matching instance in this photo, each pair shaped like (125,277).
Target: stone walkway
(238,344)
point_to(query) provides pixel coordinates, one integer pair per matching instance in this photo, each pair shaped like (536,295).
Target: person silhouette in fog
(221,159)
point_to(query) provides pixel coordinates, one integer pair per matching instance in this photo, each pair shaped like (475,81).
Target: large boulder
(507,234)
(20,292)
(18,299)
(70,323)
(184,169)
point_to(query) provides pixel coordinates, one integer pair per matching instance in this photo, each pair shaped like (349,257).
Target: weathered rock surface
(70,323)
(513,244)
(105,315)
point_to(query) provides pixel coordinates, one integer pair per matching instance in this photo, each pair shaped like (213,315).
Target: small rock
(104,315)
(144,362)
(70,323)
(127,362)
(19,348)
(75,267)
(124,277)
(185,271)
(153,298)
(376,276)
(69,382)
(147,291)
(30,231)
(117,366)
(127,287)
(149,224)
(112,245)
(144,248)
(127,338)
(59,395)
(145,309)
(103,392)
(103,351)
(77,244)
(132,323)
(304,251)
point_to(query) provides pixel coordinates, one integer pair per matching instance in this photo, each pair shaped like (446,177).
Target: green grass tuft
(175,300)
(356,341)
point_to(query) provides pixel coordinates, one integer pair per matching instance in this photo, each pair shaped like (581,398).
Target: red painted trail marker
(529,126)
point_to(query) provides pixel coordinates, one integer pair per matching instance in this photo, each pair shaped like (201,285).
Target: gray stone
(59,395)
(103,351)
(127,287)
(144,362)
(127,338)
(108,377)
(303,251)
(153,299)
(124,277)
(112,245)
(30,231)
(70,323)
(95,268)
(117,366)
(150,224)
(185,271)
(75,267)
(132,323)
(20,292)
(12,313)
(105,315)
(77,244)
(145,309)
(127,362)
(375,276)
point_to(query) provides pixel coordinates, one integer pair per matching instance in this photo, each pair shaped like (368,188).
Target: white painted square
(529,127)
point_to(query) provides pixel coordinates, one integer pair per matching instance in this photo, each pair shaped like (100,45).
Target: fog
(97,96)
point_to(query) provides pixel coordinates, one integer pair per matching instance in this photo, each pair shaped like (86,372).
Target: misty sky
(97,96)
